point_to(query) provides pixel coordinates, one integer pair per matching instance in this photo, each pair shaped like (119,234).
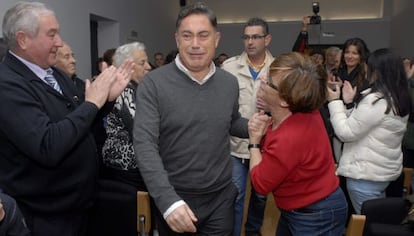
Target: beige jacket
(247,98)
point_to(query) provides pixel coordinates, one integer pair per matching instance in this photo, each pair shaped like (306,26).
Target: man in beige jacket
(249,67)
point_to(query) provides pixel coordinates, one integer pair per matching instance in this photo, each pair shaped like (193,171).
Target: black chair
(396,187)
(115,211)
(384,217)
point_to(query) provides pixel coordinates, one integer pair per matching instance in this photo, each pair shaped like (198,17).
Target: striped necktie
(51,80)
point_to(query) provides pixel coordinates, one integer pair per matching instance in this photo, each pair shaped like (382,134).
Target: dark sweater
(182,133)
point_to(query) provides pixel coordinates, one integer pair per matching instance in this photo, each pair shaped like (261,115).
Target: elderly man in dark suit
(48,159)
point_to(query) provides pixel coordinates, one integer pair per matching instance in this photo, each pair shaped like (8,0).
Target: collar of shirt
(37,70)
(187,72)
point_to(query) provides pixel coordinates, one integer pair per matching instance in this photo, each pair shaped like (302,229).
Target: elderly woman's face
(141,65)
(269,90)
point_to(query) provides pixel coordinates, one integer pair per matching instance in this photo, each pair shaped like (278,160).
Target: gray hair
(332,49)
(24,16)
(126,51)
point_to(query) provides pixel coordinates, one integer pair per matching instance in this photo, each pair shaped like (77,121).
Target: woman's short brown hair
(303,85)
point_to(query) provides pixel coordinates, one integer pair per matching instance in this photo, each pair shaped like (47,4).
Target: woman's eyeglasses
(273,86)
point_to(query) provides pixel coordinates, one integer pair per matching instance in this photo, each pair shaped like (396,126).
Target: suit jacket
(48,160)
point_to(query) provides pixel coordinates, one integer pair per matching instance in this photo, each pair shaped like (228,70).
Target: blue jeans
(325,217)
(257,202)
(362,190)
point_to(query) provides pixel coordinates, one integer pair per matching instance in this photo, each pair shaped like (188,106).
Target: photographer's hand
(409,68)
(305,23)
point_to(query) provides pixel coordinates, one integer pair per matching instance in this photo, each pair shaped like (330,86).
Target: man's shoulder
(78,80)
(9,74)
(231,61)
(226,76)
(163,70)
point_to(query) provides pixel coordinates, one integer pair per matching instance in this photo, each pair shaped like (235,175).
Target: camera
(315,19)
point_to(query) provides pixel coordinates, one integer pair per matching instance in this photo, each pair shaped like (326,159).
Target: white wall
(132,15)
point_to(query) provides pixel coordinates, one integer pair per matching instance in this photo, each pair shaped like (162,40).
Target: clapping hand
(97,91)
(348,92)
(109,84)
(123,76)
(409,68)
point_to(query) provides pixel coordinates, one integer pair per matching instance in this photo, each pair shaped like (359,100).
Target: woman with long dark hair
(372,131)
(352,67)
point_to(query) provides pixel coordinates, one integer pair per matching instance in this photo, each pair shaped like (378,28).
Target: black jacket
(48,160)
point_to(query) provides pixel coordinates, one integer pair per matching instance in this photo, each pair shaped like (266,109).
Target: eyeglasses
(252,37)
(273,86)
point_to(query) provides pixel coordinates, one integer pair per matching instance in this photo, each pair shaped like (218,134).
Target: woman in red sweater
(294,159)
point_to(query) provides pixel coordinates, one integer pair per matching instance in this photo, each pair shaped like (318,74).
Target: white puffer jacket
(372,139)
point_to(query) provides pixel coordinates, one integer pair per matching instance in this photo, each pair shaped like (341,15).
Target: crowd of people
(322,132)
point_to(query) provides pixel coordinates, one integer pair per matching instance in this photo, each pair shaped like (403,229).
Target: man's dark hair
(108,56)
(199,8)
(256,21)
(158,53)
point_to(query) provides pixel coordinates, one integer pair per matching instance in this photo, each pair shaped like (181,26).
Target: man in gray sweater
(185,114)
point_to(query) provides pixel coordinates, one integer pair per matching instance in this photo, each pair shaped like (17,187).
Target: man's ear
(21,38)
(176,40)
(268,39)
(217,39)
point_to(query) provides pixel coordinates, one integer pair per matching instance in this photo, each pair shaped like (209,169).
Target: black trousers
(57,225)
(214,211)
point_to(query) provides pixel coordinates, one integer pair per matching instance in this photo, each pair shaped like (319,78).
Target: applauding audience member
(118,152)
(372,131)
(48,160)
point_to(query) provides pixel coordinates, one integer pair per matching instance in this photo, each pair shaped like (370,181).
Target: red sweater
(297,165)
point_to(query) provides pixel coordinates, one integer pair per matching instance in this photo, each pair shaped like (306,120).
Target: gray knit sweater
(182,131)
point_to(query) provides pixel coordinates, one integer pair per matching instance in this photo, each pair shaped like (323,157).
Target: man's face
(41,49)
(331,58)
(197,41)
(66,60)
(142,66)
(255,40)
(318,58)
(159,60)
